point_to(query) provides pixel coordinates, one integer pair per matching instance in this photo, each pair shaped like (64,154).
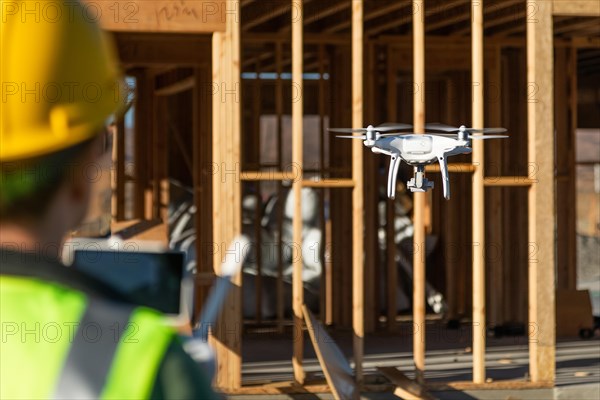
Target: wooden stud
(357,192)
(141,154)
(420,199)
(177,87)
(227,190)
(386,10)
(542,224)
(119,205)
(297,158)
(478,206)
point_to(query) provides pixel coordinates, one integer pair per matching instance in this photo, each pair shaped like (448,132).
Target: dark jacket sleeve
(179,377)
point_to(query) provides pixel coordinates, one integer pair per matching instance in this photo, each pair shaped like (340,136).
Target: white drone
(419,150)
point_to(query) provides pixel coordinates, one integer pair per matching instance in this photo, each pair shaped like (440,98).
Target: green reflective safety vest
(83,347)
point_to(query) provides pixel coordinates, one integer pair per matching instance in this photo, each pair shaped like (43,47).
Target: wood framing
(576,8)
(119,170)
(297,160)
(144,91)
(478,205)
(420,199)
(357,192)
(190,16)
(227,191)
(159,41)
(542,222)
(405,388)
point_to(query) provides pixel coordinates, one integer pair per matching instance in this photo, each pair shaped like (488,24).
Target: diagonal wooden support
(406,388)
(338,372)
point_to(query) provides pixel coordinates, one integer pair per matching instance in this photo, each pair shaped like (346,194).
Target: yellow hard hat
(59,75)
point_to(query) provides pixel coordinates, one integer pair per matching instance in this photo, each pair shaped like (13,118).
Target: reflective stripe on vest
(90,357)
(103,351)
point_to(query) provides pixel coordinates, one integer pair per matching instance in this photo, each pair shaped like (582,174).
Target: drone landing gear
(419,183)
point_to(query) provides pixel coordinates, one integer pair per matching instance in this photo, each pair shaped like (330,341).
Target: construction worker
(64,335)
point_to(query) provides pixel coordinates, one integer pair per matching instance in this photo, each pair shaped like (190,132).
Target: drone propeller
(487,136)
(347,130)
(361,137)
(447,128)
(387,127)
(364,137)
(392,126)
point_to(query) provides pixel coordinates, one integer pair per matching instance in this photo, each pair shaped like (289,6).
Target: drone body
(419,150)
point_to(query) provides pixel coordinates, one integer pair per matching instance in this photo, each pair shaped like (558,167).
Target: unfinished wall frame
(221,139)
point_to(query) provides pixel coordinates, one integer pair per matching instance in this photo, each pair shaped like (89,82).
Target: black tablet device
(148,279)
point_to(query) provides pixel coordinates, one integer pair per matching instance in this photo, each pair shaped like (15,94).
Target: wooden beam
(329,183)
(191,16)
(407,18)
(405,387)
(334,9)
(161,161)
(579,8)
(466,168)
(542,215)
(358,263)
(508,181)
(386,10)
(227,191)
(420,199)
(297,155)
(309,38)
(267,15)
(177,87)
(143,108)
(465,17)
(578,24)
(268,176)
(490,23)
(478,205)
(119,157)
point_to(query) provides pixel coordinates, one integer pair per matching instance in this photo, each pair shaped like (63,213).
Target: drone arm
(445,177)
(377,150)
(393,173)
